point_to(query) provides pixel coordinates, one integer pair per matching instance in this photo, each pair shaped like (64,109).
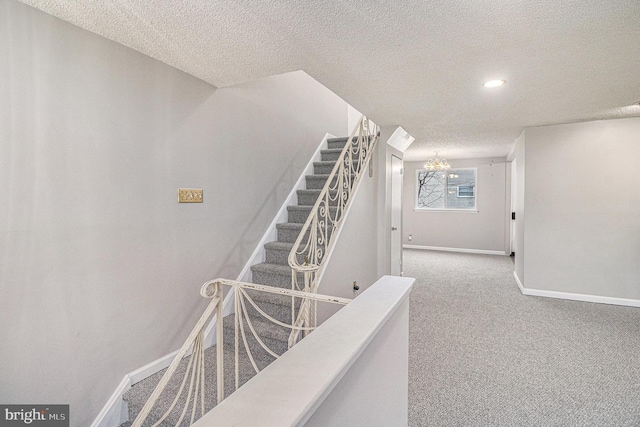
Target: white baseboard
(115,411)
(576,297)
(468,251)
(515,275)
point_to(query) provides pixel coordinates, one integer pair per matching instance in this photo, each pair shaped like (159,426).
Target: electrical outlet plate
(189,195)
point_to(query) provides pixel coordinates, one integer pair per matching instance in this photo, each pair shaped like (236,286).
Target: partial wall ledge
(352,370)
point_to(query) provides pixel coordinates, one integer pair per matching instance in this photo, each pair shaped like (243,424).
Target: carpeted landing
(483,354)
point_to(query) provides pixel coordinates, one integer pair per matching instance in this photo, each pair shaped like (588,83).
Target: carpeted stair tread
(308,197)
(273,299)
(265,329)
(331,151)
(274,305)
(138,394)
(278,252)
(310,191)
(279,245)
(276,275)
(318,181)
(282,270)
(301,208)
(342,139)
(325,163)
(330,154)
(341,142)
(324,176)
(330,163)
(288,231)
(289,225)
(300,214)
(317,177)
(325,168)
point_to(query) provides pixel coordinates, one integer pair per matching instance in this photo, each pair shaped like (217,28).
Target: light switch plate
(189,195)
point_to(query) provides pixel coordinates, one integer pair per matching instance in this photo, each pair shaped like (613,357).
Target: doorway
(396,216)
(512,222)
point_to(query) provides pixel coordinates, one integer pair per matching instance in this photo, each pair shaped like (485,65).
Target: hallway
(483,354)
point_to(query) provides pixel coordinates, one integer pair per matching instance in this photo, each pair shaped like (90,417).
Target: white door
(396,216)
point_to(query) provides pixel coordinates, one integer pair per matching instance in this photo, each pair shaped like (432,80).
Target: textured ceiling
(415,63)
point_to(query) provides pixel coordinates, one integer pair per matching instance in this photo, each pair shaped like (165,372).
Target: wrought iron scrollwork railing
(306,259)
(319,231)
(193,348)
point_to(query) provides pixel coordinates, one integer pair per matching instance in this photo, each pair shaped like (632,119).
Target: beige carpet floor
(483,354)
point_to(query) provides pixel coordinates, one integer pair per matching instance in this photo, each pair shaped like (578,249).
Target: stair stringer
(115,411)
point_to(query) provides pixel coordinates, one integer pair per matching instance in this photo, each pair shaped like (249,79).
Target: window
(465,191)
(443,190)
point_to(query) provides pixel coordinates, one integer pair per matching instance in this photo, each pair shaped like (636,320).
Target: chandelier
(436,164)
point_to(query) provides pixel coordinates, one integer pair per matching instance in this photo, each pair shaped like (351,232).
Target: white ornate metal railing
(318,233)
(194,347)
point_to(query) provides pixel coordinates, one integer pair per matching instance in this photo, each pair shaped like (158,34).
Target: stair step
(331,154)
(316,182)
(273,275)
(278,252)
(323,168)
(274,305)
(298,213)
(274,336)
(339,143)
(288,231)
(301,213)
(139,393)
(308,197)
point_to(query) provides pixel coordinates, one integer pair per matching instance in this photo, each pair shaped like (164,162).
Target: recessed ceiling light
(494,83)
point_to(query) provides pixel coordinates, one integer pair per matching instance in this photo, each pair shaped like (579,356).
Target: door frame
(398,211)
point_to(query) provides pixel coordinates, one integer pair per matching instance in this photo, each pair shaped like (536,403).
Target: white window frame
(447,172)
(473,190)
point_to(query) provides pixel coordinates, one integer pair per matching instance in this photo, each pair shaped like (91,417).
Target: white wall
(582,205)
(100,267)
(375,390)
(354,257)
(484,230)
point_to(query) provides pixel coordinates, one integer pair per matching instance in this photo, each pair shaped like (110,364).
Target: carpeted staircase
(275,271)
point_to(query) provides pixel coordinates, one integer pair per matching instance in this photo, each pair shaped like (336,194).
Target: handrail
(194,343)
(321,226)
(317,237)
